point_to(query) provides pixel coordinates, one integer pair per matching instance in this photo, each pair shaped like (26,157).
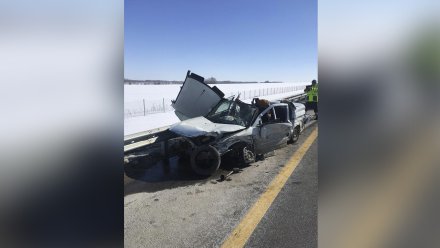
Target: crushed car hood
(201,126)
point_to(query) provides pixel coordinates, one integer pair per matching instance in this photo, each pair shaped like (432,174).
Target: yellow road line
(250,221)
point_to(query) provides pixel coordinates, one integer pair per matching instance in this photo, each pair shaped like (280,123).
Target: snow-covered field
(157,92)
(157,101)
(142,123)
(140,100)
(157,98)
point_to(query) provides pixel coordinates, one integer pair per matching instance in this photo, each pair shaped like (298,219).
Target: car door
(271,134)
(195,98)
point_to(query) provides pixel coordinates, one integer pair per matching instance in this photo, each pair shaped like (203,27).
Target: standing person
(312,97)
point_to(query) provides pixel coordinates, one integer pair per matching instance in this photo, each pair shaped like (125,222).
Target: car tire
(205,160)
(248,155)
(295,136)
(243,154)
(184,159)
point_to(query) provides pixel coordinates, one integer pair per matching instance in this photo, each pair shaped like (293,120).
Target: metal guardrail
(142,139)
(297,97)
(145,138)
(132,138)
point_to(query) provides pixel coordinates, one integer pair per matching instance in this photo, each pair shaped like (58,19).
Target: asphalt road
(291,221)
(174,208)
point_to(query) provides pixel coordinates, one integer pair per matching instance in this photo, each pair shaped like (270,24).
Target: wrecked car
(213,127)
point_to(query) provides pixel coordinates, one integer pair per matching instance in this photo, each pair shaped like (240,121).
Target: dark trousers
(312,105)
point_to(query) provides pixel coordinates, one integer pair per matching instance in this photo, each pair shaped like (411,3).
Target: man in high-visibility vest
(312,97)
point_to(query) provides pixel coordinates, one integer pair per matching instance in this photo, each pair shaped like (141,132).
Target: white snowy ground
(158,92)
(148,99)
(142,123)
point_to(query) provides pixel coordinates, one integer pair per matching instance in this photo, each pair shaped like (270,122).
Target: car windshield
(232,112)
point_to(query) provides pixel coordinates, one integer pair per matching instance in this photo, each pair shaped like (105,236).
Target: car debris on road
(227,176)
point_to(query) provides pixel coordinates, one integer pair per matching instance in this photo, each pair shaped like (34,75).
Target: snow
(140,100)
(158,92)
(151,121)
(142,123)
(277,96)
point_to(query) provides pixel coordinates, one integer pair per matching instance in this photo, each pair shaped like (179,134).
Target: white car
(213,127)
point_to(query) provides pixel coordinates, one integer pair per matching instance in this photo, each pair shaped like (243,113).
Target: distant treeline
(158,82)
(135,82)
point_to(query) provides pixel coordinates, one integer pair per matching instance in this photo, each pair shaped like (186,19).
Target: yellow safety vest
(312,94)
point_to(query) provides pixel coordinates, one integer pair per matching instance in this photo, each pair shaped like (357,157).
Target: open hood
(201,126)
(195,98)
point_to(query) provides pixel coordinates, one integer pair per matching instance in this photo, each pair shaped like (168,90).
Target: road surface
(174,208)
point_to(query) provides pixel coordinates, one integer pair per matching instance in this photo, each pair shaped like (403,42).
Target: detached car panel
(195,98)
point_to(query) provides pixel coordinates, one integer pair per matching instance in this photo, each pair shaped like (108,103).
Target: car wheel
(295,136)
(205,160)
(247,155)
(243,154)
(184,159)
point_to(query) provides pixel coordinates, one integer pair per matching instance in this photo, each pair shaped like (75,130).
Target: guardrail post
(165,158)
(163,104)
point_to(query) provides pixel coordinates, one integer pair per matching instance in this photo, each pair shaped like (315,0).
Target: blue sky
(246,40)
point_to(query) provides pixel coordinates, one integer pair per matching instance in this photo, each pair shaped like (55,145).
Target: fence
(145,107)
(249,94)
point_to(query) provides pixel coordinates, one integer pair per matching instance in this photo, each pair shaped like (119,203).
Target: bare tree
(211,80)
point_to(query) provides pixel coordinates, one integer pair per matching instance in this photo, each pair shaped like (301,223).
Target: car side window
(268,117)
(281,114)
